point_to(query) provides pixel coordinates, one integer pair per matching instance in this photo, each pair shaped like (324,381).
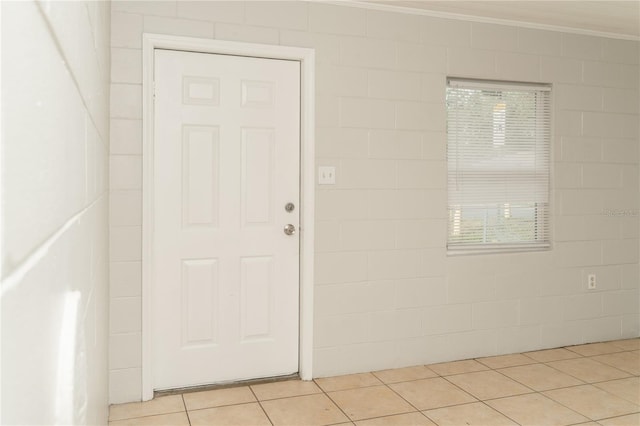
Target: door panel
(199,302)
(257,176)
(200,180)
(226,161)
(256,305)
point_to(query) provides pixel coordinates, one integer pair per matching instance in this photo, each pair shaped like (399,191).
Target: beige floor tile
(173,419)
(588,370)
(540,377)
(304,410)
(628,389)
(488,385)
(627,345)
(366,403)
(427,394)
(548,355)
(625,361)
(592,349)
(457,367)
(405,374)
(476,413)
(160,405)
(592,402)
(351,381)
(503,361)
(410,419)
(231,415)
(218,398)
(285,389)
(535,410)
(630,420)
(505,383)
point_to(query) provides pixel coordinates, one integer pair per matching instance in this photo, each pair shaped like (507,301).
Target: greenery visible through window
(498,145)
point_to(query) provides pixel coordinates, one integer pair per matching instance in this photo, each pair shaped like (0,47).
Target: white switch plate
(326,175)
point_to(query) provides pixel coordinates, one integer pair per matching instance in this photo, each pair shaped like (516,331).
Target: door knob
(289,229)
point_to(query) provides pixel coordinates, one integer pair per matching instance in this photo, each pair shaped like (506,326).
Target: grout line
(585,382)
(145,416)
(499,412)
(462,390)
(563,405)
(615,417)
(404,399)
(516,381)
(260,404)
(236,404)
(349,419)
(357,387)
(533,361)
(184,403)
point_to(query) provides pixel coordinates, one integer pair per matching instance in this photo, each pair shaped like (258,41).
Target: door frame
(306,57)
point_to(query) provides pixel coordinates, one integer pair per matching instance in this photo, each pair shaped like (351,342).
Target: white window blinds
(498,150)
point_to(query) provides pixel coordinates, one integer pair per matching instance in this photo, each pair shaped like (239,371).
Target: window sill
(505,249)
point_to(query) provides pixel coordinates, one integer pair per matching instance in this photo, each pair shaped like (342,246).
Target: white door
(226,163)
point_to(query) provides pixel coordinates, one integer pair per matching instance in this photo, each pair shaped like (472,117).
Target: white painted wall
(55,133)
(386,293)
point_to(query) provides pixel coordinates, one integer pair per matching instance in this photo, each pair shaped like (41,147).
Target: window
(498,147)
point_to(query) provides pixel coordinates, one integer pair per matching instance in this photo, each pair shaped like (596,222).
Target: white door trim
(306,57)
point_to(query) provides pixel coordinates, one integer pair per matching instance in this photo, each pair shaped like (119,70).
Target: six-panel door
(226,163)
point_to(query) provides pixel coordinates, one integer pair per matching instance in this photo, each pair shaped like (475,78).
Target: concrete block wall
(386,293)
(54,237)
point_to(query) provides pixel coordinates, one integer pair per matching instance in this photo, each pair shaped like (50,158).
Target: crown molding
(474,18)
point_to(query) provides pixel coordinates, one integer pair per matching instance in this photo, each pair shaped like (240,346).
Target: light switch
(326,175)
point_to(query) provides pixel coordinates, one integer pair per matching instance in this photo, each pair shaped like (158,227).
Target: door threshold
(225,385)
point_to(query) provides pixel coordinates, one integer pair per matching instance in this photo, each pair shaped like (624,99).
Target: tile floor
(594,384)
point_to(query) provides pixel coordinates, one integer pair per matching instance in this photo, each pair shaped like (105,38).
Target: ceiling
(605,17)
